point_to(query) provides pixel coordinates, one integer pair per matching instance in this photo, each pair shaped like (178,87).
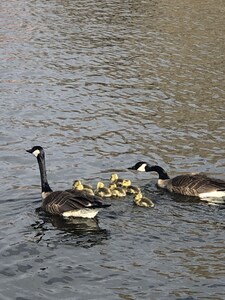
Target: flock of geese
(84,201)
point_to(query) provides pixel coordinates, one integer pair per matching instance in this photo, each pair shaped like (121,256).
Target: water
(101,85)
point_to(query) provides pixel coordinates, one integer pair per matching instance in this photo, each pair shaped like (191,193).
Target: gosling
(117,191)
(77,185)
(102,191)
(140,200)
(131,189)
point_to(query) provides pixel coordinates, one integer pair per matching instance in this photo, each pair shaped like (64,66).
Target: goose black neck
(44,182)
(162,173)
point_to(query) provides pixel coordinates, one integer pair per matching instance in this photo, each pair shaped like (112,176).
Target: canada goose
(102,191)
(79,186)
(117,191)
(195,184)
(69,203)
(140,200)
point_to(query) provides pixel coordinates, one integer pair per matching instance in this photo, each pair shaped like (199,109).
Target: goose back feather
(198,185)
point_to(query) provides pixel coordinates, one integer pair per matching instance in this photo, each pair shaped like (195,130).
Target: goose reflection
(188,200)
(74,231)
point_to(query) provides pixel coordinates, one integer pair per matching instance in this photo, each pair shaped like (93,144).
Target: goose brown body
(58,202)
(193,185)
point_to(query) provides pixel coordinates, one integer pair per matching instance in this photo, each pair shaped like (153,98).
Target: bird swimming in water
(119,181)
(117,191)
(68,203)
(79,186)
(102,190)
(131,189)
(193,184)
(140,200)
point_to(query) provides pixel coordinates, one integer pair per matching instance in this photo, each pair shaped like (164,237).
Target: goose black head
(140,166)
(36,151)
(145,167)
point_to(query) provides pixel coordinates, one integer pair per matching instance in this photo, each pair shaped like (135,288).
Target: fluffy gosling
(102,191)
(79,186)
(117,191)
(140,200)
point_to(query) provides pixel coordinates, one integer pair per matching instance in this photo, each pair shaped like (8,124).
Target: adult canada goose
(79,186)
(117,191)
(193,184)
(102,191)
(69,203)
(140,200)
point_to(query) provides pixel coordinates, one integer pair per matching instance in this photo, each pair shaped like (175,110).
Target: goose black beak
(29,151)
(131,168)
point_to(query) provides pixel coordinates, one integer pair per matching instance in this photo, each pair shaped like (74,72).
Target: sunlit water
(101,85)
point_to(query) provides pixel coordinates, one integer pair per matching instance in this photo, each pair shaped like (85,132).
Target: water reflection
(74,231)
(190,200)
(100,84)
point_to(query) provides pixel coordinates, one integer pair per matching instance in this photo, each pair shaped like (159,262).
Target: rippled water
(101,85)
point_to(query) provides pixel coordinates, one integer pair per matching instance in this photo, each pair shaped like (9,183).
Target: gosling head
(100,185)
(126,182)
(77,183)
(114,177)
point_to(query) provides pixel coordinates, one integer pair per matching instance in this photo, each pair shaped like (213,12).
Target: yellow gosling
(115,179)
(117,191)
(125,183)
(130,189)
(102,191)
(133,190)
(77,185)
(140,200)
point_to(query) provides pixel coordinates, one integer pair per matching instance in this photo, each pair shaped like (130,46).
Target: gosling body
(131,189)
(102,190)
(143,201)
(117,191)
(79,186)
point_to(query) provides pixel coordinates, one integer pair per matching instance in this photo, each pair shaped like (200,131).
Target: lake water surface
(101,85)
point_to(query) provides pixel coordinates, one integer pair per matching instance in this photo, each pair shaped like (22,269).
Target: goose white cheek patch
(142,168)
(36,152)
